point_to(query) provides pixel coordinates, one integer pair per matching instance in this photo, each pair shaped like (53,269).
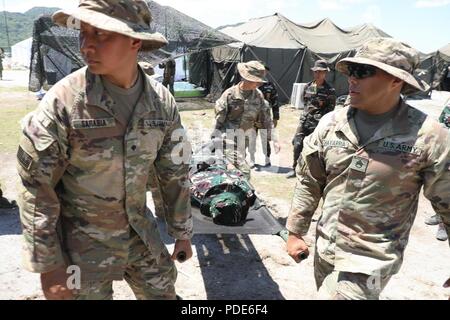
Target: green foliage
(20,25)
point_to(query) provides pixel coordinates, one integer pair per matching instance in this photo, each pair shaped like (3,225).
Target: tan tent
(289,49)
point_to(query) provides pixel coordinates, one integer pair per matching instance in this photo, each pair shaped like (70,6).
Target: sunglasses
(361,71)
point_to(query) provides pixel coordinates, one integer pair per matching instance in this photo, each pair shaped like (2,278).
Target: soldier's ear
(397,83)
(136,44)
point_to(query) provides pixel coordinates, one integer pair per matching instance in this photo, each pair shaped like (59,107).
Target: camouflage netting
(55,50)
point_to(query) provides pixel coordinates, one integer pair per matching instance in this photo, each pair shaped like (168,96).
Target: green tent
(434,69)
(289,49)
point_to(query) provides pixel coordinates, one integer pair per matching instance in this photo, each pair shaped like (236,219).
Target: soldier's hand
(275,123)
(54,285)
(295,246)
(277,147)
(182,247)
(447,285)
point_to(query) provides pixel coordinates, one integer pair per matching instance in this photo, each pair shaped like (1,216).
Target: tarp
(289,49)
(55,51)
(21,53)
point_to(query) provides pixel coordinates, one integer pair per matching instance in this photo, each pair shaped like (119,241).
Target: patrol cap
(252,71)
(320,65)
(128,17)
(391,56)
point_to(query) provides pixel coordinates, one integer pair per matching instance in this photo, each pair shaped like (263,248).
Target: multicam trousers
(150,278)
(337,285)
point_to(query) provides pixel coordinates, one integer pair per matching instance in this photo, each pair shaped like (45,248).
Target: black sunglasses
(361,71)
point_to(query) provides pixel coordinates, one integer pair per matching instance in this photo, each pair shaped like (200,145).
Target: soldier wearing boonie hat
(242,108)
(319,98)
(85,159)
(369,161)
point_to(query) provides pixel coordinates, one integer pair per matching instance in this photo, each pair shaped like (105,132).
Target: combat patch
(400,147)
(335,144)
(93,123)
(24,158)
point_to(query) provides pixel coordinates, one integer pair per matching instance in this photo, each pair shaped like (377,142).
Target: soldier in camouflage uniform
(239,111)
(271,96)
(158,201)
(369,161)
(84,161)
(1,63)
(441,234)
(319,98)
(169,74)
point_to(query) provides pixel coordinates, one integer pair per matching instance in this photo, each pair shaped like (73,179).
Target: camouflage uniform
(169,74)
(1,64)
(233,112)
(318,102)
(271,95)
(370,190)
(85,174)
(444,118)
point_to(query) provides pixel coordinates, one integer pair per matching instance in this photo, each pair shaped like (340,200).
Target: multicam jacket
(370,192)
(233,111)
(318,102)
(85,173)
(271,95)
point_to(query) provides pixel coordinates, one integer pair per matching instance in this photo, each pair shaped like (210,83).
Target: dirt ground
(241,267)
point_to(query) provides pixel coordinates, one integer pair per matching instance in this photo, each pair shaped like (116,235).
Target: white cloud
(431,3)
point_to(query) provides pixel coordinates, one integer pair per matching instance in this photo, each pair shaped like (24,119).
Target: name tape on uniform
(335,144)
(400,147)
(147,123)
(93,123)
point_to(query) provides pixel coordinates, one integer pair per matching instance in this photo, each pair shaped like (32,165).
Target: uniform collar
(96,94)
(238,93)
(398,124)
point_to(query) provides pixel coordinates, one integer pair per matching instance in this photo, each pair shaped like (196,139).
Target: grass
(274,185)
(15,103)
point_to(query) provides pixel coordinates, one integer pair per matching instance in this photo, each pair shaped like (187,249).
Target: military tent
(434,69)
(21,53)
(289,49)
(55,51)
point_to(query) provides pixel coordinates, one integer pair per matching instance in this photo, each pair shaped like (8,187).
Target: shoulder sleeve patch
(24,159)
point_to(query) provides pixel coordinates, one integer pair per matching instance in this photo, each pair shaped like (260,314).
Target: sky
(424,24)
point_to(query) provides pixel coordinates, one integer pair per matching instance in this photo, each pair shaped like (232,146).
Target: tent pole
(300,66)
(274,80)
